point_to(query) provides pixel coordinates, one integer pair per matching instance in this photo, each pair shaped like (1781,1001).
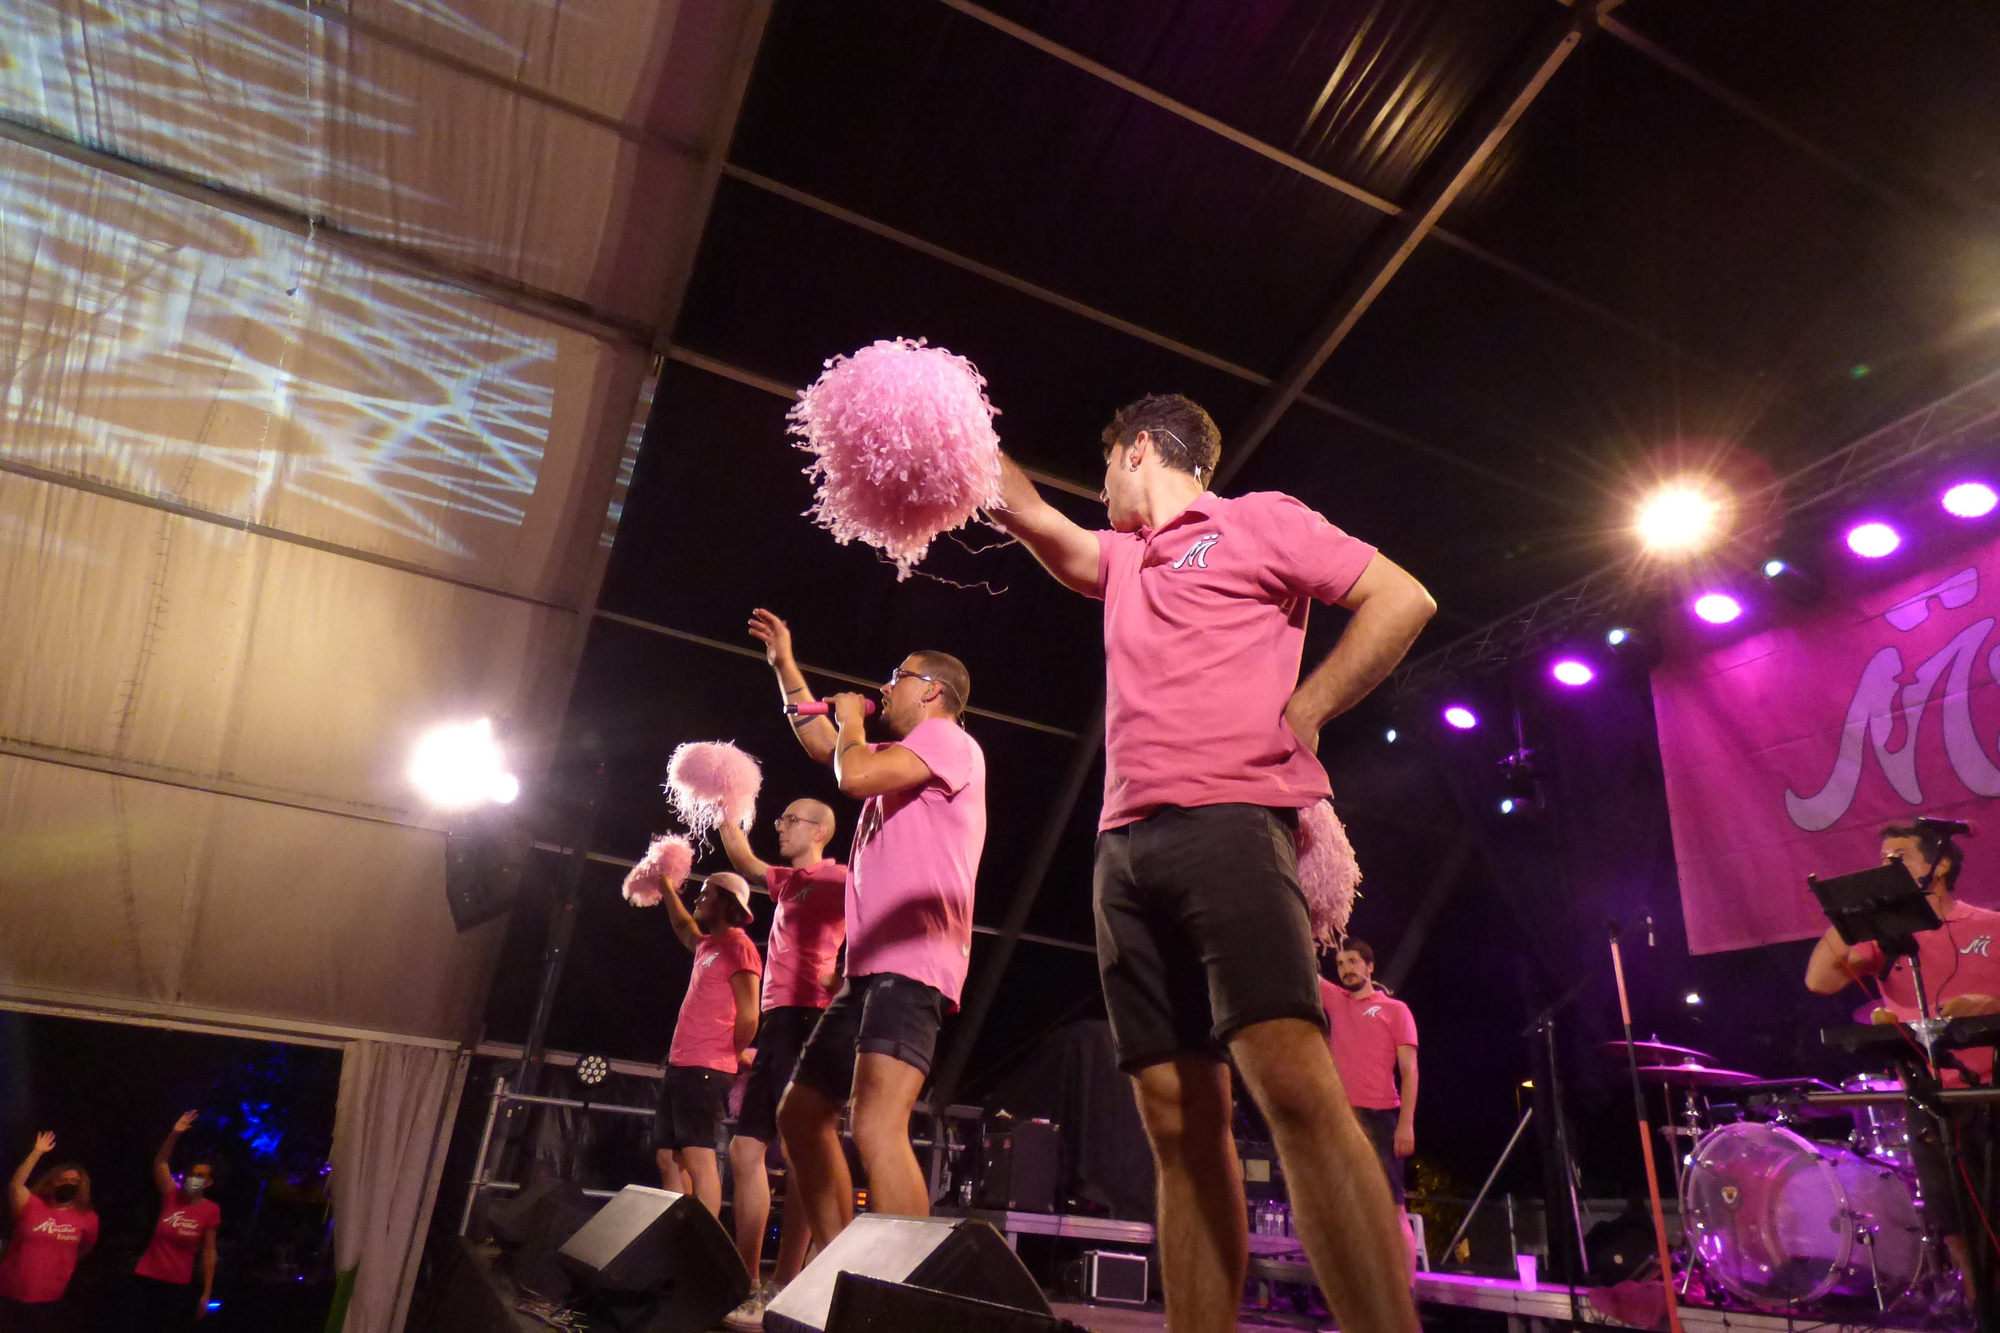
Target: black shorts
(781,1035)
(1938,1182)
(882,1013)
(39,1317)
(1201,929)
(1381,1126)
(693,1103)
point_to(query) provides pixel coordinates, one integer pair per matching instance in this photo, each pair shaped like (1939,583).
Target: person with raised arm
(54,1226)
(1204,944)
(718,1021)
(165,1297)
(909,925)
(800,959)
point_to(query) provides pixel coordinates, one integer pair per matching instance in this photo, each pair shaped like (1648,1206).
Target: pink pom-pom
(664,868)
(903,446)
(710,783)
(1329,875)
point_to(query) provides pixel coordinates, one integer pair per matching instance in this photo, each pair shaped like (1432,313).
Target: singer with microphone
(909,924)
(1961,967)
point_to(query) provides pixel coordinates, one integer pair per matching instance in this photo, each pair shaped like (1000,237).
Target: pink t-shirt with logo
(1204,629)
(805,934)
(177,1237)
(1961,957)
(705,1036)
(916,857)
(1364,1035)
(47,1242)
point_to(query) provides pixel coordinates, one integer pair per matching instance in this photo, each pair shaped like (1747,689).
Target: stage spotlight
(1507,805)
(1573,673)
(1717,608)
(592,1070)
(1970,499)
(1460,717)
(1873,540)
(1617,635)
(1680,518)
(460,766)
(1390,735)
(1693,998)
(1520,785)
(1775,568)
(1793,583)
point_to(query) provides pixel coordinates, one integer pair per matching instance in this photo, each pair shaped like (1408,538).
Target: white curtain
(397,1104)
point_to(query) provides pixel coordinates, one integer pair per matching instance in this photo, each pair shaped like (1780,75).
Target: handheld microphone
(820,708)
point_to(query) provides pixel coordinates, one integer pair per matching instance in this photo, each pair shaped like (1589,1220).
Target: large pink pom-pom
(1328,873)
(903,446)
(710,783)
(664,868)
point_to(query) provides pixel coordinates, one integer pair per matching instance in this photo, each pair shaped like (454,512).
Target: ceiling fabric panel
(146,893)
(331,122)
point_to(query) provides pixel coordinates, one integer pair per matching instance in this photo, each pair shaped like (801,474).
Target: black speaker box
(465,1295)
(559,1214)
(658,1261)
(484,862)
(949,1254)
(1020,1168)
(870,1305)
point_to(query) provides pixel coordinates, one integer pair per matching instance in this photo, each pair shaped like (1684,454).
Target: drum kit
(1785,1204)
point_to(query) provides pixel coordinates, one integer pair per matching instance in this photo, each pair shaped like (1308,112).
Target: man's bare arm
(1065,549)
(690,933)
(1829,971)
(862,772)
(736,843)
(1390,609)
(816,734)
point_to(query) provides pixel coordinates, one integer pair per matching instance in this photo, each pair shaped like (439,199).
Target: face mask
(66,1193)
(194,1184)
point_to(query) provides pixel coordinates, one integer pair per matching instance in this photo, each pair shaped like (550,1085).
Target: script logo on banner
(1785,752)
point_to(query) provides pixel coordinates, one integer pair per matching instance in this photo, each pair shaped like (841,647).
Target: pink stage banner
(1787,750)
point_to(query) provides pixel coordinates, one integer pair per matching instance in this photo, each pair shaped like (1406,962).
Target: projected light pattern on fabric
(194,355)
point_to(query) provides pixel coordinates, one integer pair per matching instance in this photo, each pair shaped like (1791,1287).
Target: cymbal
(1692,1074)
(1655,1053)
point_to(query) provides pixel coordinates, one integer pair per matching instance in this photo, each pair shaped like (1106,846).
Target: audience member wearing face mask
(166,1295)
(53,1227)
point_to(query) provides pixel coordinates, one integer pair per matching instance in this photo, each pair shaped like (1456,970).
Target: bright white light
(460,766)
(1970,499)
(1573,673)
(1506,805)
(1872,541)
(1693,998)
(1461,717)
(1617,636)
(1717,608)
(1678,519)
(1390,736)
(1773,568)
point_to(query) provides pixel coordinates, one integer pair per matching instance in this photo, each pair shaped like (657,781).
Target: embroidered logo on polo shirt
(1197,555)
(1371,1011)
(1979,945)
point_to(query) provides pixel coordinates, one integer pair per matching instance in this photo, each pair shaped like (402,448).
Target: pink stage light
(1461,717)
(1717,608)
(1572,673)
(1970,499)
(1873,540)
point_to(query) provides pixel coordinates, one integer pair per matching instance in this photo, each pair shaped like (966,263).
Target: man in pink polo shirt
(1203,940)
(800,960)
(909,926)
(717,1022)
(1961,962)
(1374,1043)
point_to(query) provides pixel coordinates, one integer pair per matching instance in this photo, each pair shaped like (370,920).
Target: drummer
(1961,963)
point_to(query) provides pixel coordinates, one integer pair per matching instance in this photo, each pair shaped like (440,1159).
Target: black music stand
(1884,904)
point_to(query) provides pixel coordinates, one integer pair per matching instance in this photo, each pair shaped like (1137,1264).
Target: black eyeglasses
(902,673)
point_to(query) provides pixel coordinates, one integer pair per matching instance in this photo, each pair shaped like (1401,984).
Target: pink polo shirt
(916,856)
(1204,629)
(1364,1035)
(1961,957)
(805,934)
(705,1035)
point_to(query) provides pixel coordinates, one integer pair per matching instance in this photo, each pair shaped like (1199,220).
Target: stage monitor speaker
(465,1295)
(660,1261)
(559,1214)
(485,859)
(950,1254)
(871,1305)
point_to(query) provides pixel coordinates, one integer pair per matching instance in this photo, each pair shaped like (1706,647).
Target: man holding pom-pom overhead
(1204,942)
(909,926)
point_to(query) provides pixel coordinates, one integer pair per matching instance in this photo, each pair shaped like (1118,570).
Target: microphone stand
(1646,1141)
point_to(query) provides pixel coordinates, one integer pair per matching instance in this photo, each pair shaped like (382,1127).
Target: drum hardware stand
(1646,1141)
(1491,1176)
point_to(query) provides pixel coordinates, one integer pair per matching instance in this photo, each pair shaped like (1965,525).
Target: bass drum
(1778,1220)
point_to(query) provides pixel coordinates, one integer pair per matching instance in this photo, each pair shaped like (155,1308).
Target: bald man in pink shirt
(909,926)
(1203,943)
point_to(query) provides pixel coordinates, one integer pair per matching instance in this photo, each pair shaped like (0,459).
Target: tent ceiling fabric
(267,512)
